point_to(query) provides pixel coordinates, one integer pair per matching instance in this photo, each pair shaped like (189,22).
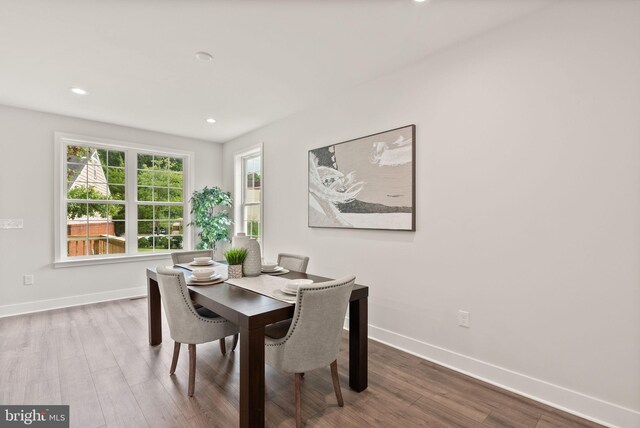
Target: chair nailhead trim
(299,302)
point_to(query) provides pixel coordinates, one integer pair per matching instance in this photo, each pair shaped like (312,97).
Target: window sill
(110,260)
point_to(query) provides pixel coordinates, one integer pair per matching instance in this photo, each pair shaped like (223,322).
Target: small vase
(235,271)
(252,265)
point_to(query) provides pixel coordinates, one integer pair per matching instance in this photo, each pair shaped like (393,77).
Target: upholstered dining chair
(294,262)
(188,256)
(313,339)
(186,323)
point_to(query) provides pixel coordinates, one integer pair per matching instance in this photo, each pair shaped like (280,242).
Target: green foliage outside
(253,229)
(210,216)
(253,178)
(235,256)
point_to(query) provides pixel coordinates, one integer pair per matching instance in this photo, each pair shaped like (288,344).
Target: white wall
(528,204)
(26,191)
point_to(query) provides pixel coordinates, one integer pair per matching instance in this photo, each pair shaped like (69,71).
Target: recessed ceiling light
(419,1)
(211,120)
(79,91)
(204,56)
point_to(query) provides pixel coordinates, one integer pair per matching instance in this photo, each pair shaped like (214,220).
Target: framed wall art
(365,183)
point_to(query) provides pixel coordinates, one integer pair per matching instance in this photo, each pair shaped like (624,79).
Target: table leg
(155,314)
(358,358)
(252,377)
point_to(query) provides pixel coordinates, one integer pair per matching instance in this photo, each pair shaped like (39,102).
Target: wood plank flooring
(96,358)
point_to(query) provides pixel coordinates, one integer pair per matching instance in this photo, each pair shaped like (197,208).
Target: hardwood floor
(96,358)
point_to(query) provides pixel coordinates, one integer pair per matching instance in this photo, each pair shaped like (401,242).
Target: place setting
(269,268)
(204,276)
(289,291)
(197,262)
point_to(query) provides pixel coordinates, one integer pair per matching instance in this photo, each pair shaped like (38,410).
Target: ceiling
(271,57)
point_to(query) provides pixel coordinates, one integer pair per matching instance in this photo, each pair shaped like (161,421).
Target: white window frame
(239,186)
(131,151)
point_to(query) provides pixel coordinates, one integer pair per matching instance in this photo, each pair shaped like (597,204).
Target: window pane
(145,228)
(116,237)
(78,191)
(116,193)
(73,173)
(145,194)
(175,195)
(145,161)
(76,153)
(160,163)
(97,211)
(161,179)
(76,210)
(162,227)
(175,242)
(145,212)
(115,175)
(116,158)
(175,180)
(97,239)
(116,212)
(145,177)
(160,243)
(160,194)
(252,195)
(161,212)
(175,213)
(176,164)
(97,191)
(252,221)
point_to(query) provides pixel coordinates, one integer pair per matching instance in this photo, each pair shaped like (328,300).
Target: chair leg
(176,353)
(223,346)
(235,342)
(192,369)
(298,394)
(336,383)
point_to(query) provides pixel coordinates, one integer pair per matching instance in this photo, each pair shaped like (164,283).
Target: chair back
(294,262)
(314,338)
(188,256)
(185,324)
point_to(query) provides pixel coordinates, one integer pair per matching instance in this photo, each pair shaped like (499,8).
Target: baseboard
(65,302)
(570,401)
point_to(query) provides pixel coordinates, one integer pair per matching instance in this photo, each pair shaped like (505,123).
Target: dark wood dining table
(252,312)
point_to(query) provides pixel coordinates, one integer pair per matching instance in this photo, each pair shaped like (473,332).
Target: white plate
(211,262)
(207,282)
(289,292)
(276,269)
(211,278)
(287,297)
(278,272)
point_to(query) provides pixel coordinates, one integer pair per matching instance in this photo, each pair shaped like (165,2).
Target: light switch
(11,223)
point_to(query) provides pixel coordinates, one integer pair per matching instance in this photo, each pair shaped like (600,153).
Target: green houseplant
(209,209)
(235,257)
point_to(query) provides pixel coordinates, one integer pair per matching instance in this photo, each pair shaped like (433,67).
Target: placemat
(266,285)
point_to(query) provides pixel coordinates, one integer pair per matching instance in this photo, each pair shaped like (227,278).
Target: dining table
(252,312)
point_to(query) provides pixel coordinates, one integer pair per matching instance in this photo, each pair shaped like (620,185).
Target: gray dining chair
(188,256)
(294,262)
(186,323)
(313,339)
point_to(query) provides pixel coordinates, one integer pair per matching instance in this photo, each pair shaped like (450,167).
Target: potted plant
(209,209)
(235,257)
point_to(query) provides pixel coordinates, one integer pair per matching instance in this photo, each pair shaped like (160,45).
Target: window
(119,200)
(249,193)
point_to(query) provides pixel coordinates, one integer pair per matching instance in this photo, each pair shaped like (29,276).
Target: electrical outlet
(28,280)
(463,318)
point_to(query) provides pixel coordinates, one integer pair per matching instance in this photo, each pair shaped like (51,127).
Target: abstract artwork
(366,183)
